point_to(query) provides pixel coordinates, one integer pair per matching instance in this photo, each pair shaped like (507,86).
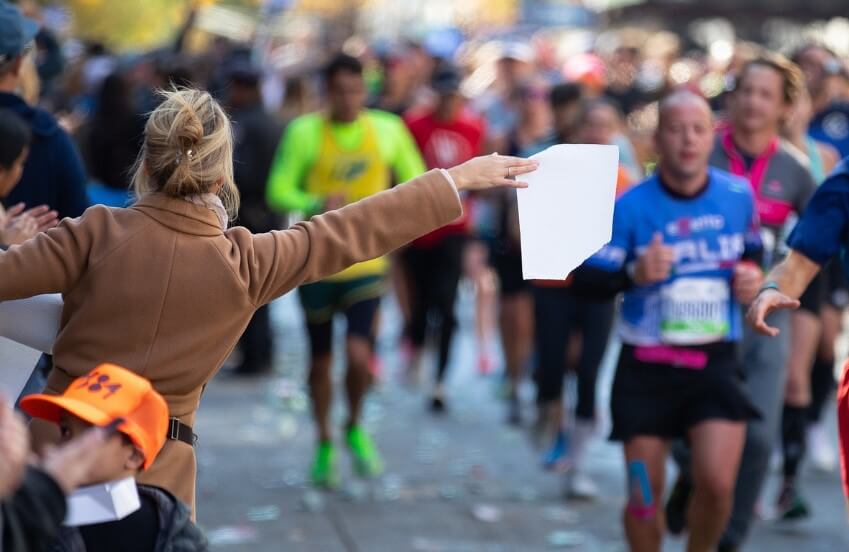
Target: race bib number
(695,311)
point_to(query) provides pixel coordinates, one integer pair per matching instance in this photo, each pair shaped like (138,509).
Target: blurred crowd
(426,106)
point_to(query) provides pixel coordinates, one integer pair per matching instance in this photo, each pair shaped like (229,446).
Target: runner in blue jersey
(685,251)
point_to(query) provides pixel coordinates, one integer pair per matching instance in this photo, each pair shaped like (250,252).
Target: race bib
(695,311)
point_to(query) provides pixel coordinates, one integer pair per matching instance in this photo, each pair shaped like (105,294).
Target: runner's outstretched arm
(816,239)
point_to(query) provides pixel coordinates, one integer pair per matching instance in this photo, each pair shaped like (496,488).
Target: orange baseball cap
(105,394)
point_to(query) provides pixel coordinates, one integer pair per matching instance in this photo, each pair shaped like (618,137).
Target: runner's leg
(805,334)
(822,373)
(445,281)
(717,446)
(551,313)
(805,330)
(596,320)
(764,363)
(415,264)
(318,301)
(361,316)
(644,524)
(320,380)
(517,329)
(359,344)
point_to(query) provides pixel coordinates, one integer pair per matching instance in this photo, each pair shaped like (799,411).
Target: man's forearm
(794,274)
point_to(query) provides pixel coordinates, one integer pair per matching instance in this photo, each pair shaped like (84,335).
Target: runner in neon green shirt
(327,160)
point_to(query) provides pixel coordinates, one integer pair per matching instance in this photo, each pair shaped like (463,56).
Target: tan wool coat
(160,289)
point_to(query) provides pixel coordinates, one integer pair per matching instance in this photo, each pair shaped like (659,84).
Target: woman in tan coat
(165,289)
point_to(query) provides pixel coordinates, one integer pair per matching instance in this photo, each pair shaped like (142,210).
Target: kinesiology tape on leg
(641,502)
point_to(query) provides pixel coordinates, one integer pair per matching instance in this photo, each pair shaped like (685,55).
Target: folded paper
(101,503)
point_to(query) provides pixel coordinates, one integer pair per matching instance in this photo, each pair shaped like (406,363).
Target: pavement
(464,482)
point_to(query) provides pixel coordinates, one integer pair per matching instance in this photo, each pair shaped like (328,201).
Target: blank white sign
(566,213)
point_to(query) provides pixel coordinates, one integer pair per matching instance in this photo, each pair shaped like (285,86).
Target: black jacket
(30,520)
(176,532)
(53,173)
(256,135)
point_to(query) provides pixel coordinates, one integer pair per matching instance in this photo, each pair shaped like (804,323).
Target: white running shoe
(821,449)
(580,486)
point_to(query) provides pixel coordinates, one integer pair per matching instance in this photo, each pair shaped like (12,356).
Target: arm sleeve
(284,192)
(407,162)
(70,178)
(51,262)
(822,228)
(326,244)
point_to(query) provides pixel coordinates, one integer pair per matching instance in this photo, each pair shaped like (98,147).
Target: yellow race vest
(354,174)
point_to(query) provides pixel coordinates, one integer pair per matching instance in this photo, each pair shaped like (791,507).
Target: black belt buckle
(174,429)
(178,431)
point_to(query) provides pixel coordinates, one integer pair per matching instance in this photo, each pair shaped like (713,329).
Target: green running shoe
(791,506)
(367,462)
(324,472)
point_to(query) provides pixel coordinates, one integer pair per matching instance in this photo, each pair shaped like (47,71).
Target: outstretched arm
(326,244)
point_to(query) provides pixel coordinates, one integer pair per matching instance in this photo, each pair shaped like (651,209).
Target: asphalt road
(464,482)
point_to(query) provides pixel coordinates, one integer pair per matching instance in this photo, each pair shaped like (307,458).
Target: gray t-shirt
(782,183)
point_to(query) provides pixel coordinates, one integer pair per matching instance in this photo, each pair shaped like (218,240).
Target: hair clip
(178,157)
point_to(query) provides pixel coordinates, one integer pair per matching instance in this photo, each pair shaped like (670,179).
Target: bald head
(684,138)
(682,100)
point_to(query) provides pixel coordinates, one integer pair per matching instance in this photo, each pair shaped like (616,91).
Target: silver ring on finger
(509,172)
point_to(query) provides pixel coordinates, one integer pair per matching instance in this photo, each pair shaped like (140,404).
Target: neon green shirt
(299,150)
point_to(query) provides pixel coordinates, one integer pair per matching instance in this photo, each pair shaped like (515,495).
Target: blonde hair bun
(188,149)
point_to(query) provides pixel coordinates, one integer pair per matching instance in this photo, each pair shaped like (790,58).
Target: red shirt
(445,144)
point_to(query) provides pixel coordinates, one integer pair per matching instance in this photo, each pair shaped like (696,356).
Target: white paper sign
(101,503)
(28,327)
(566,213)
(33,322)
(17,363)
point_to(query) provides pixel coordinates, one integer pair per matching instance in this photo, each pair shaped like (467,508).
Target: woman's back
(158,295)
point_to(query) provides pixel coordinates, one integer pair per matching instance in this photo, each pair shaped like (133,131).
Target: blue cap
(16,31)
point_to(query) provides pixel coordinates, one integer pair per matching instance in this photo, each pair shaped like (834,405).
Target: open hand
(18,225)
(492,171)
(766,302)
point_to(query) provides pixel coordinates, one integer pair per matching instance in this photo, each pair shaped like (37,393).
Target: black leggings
(434,273)
(558,313)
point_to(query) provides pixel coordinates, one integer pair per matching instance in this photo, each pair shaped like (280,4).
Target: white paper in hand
(101,503)
(566,212)
(28,327)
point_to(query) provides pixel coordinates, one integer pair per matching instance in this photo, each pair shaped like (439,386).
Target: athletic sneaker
(820,449)
(437,405)
(579,485)
(677,504)
(555,458)
(324,472)
(367,462)
(791,506)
